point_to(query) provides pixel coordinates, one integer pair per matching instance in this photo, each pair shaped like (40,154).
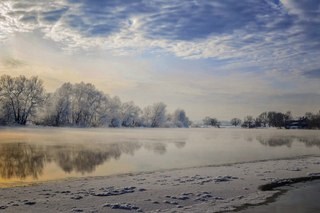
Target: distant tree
(258,122)
(208,121)
(248,122)
(263,118)
(287,116)
(155,115)
(180,119)
(129,114)
(235,121)
(58,107)
(276,119)
(21,97)
(75,105)
(313,120)
(113,111)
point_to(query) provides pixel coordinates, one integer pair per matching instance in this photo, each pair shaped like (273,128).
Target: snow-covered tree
(180,119)
(155,115)
(130,114)
(58,107)
(21,97)
(235,121)
(76,105)
(208,121)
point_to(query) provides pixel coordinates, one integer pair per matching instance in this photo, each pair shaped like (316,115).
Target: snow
(214,189)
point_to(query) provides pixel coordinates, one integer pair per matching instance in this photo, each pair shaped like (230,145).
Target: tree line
(24,100)
(279,120)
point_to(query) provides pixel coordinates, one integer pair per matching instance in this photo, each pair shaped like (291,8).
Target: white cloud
(267,34)
(263,47)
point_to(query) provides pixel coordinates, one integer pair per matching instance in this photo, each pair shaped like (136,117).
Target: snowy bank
(212,189)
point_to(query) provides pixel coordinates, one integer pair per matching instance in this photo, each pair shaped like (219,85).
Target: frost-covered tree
(155,115)
(248,121)
(21,97)
(276,119)
(263,117)
(58,107)
(208,121)
(109,112)
(85,100)
(76,105)
(79,104)
(180,119)
(235,121)
(129,114)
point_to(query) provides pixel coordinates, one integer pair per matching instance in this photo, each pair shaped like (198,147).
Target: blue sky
(222,58)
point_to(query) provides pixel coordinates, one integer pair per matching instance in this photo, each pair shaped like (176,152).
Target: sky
(219,58)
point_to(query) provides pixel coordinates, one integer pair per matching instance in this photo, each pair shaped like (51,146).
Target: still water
(40,154)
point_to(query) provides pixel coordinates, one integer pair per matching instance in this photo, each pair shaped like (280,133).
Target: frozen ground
(203,189)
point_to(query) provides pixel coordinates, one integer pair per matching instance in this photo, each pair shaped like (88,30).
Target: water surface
(302,198)
(40,154)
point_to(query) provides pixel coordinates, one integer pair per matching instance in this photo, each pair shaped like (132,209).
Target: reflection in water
(179,144)
(158,148)
(85,160)
(22,160)
(276,141)
(288,140)
(28,155)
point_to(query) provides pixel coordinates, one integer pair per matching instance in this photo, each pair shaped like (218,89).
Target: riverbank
(297,198)
(212,189)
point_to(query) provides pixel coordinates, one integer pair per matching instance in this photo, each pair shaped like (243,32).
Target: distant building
(300,123)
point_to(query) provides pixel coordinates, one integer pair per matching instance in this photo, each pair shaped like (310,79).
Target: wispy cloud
(264,30)
(12,62)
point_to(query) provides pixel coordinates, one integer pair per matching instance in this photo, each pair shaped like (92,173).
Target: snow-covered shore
(203,189)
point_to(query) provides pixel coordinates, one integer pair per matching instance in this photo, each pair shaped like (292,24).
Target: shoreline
(296,197)
(215,188)
(122,175)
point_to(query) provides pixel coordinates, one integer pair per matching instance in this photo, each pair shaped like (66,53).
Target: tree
(129,114)
(287,116)
(208,121)
(180,119)
(76,105)
(155,115)
(248,121)
(235,121)
(85,101)
(313,120)
(263,118)
(58,107)
(21,97)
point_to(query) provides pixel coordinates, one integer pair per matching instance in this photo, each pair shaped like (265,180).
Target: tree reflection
(20,160)
(85,159)
(276,141)
(158,148)
(288,140)
(310,141)
(179,144)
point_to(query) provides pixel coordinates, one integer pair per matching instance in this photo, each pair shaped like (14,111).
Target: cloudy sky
(222,58)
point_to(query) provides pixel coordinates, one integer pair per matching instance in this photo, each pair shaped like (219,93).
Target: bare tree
(235,121)
(248,121)
(129,114)
(180,119)
(155,115)
(263,117)
(211,122)
(21,96)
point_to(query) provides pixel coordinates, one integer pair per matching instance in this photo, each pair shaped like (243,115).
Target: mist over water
(40,154)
